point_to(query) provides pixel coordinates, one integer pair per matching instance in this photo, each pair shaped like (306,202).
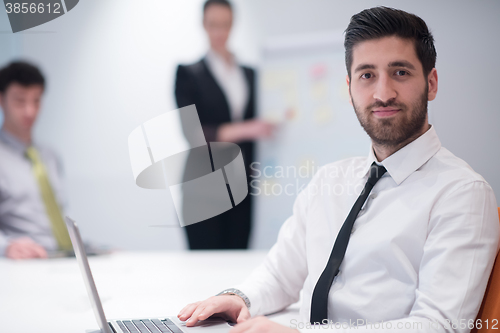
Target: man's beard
(392,132)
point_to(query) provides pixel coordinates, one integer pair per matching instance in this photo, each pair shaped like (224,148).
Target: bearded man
(412,250)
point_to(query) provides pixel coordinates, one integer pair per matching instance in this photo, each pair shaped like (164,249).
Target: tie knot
(376,172)
(32,154)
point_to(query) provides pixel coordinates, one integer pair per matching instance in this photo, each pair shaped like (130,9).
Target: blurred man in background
(224,94)
(31,222)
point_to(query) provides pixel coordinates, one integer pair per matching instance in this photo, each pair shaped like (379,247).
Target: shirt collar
(408,159)
(12,141)
(216,59)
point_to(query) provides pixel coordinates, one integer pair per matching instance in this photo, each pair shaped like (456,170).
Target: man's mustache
(392,103)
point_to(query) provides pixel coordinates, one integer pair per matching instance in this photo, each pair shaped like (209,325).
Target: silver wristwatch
(237,292)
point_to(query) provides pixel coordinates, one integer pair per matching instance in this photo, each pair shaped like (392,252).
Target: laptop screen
(81,257)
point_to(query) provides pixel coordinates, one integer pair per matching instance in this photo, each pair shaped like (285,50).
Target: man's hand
(25,248)
(229,307)
(261,325)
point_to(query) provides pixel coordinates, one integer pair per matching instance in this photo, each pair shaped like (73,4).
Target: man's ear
(432,81)
(348,88)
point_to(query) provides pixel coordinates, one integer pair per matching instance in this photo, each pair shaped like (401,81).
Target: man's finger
(244,315)
(194,317)
(22,251)
(209,310)
(187,306)
(31,250)
(39,251)
(13,254)
(187,311)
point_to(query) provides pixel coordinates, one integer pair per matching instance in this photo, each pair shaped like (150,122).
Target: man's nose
(30,109)
(384,90)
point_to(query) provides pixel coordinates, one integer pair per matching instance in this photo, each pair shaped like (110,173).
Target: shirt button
(374,195)
(361,212)
(352,230)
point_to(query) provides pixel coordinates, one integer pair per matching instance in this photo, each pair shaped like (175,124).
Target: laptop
(133,325)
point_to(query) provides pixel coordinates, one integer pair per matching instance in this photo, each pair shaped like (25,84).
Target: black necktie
(319,302)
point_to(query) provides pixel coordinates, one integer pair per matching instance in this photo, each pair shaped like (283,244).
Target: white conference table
(50,296)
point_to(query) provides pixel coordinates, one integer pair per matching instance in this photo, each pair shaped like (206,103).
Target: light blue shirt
(22,211)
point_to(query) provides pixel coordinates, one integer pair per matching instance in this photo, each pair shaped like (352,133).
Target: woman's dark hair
(381,22)
(22,73)
(216,2)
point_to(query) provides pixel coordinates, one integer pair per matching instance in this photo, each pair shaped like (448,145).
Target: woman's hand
(249,130)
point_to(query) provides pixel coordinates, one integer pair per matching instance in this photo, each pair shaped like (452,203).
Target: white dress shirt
(420,253)
(232,81)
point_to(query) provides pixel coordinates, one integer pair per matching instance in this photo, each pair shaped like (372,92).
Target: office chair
(489,313)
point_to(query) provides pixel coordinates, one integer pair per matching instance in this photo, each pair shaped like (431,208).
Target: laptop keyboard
(148,326)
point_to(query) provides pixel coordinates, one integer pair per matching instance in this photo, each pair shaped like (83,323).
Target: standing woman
(224,94)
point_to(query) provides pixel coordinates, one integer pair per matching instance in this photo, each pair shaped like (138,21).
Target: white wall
(110,66)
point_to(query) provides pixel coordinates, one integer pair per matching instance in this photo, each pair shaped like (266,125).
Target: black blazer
(195,84)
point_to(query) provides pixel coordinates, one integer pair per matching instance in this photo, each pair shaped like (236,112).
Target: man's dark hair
(216,2)
(22,73)
(381,22)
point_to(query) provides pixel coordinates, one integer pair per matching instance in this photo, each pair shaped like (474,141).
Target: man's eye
(366,76)
(402,73)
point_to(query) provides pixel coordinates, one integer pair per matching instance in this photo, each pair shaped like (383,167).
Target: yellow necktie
(51,206)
